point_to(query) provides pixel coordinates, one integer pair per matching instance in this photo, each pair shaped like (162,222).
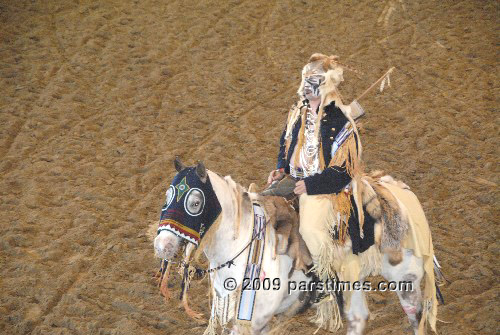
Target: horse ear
(201,171)
(178,164)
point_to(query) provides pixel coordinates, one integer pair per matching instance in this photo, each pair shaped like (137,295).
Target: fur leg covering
(379,203)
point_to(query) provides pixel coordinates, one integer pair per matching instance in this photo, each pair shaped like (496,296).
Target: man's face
(311,86)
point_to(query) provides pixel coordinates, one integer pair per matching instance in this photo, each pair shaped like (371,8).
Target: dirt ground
(98,97)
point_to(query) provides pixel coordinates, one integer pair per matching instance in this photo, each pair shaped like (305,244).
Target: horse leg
(357,312)
(260,326)
(411,271)
(254,331)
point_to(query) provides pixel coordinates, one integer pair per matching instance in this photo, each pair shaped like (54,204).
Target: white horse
(223,241)
(410,261)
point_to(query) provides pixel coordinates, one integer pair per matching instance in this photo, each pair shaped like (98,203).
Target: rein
(201,272)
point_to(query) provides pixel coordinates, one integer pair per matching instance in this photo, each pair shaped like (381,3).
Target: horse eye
(194,202)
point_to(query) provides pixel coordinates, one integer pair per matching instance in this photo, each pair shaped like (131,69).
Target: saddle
(284,188)
(281,188)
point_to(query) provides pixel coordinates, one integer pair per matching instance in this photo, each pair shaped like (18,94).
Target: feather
(382,84)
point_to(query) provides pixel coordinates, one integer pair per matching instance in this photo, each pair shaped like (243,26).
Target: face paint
(191,206)
(312,84)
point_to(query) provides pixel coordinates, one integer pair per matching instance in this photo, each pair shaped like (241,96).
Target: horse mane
(284,221)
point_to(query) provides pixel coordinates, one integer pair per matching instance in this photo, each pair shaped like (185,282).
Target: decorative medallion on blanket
(192,202)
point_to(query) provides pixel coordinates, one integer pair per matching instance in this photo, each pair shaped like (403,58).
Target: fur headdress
(326,65)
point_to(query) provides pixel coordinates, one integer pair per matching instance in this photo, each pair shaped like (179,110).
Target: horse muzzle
(166,244)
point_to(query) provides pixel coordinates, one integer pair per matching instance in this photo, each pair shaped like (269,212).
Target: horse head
(190,209)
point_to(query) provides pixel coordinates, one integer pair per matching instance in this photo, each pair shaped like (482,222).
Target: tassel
(439,296)
(164,280)
(163,269)
(185,280)
(440,279)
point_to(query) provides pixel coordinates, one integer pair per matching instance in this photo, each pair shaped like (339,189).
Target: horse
(217,216)
(402,251)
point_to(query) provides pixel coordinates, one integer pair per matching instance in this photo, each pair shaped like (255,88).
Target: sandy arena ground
(98,97)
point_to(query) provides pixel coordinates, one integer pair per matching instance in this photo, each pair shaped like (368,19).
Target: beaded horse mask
(191,206)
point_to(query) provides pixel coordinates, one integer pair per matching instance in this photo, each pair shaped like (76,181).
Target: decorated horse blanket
(418,239)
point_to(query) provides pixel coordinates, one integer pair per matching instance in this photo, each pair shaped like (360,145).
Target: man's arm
(332,180)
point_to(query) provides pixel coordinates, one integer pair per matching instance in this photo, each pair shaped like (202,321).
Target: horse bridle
(199,273)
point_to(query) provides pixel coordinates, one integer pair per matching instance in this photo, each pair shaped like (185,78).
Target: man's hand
(300,187)
(275,175)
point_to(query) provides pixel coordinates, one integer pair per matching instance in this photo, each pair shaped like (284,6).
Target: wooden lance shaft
(375,83)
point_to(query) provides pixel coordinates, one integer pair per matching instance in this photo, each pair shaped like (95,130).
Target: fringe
(328,315)
(347,155)
(212,321)
(427,318)
(342,206)
(328,261)
(164,281)
(300,141)
(187,277)
(371,262)
(210,330)
(185,281)
(223,311)
(293,114)
(438,274)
